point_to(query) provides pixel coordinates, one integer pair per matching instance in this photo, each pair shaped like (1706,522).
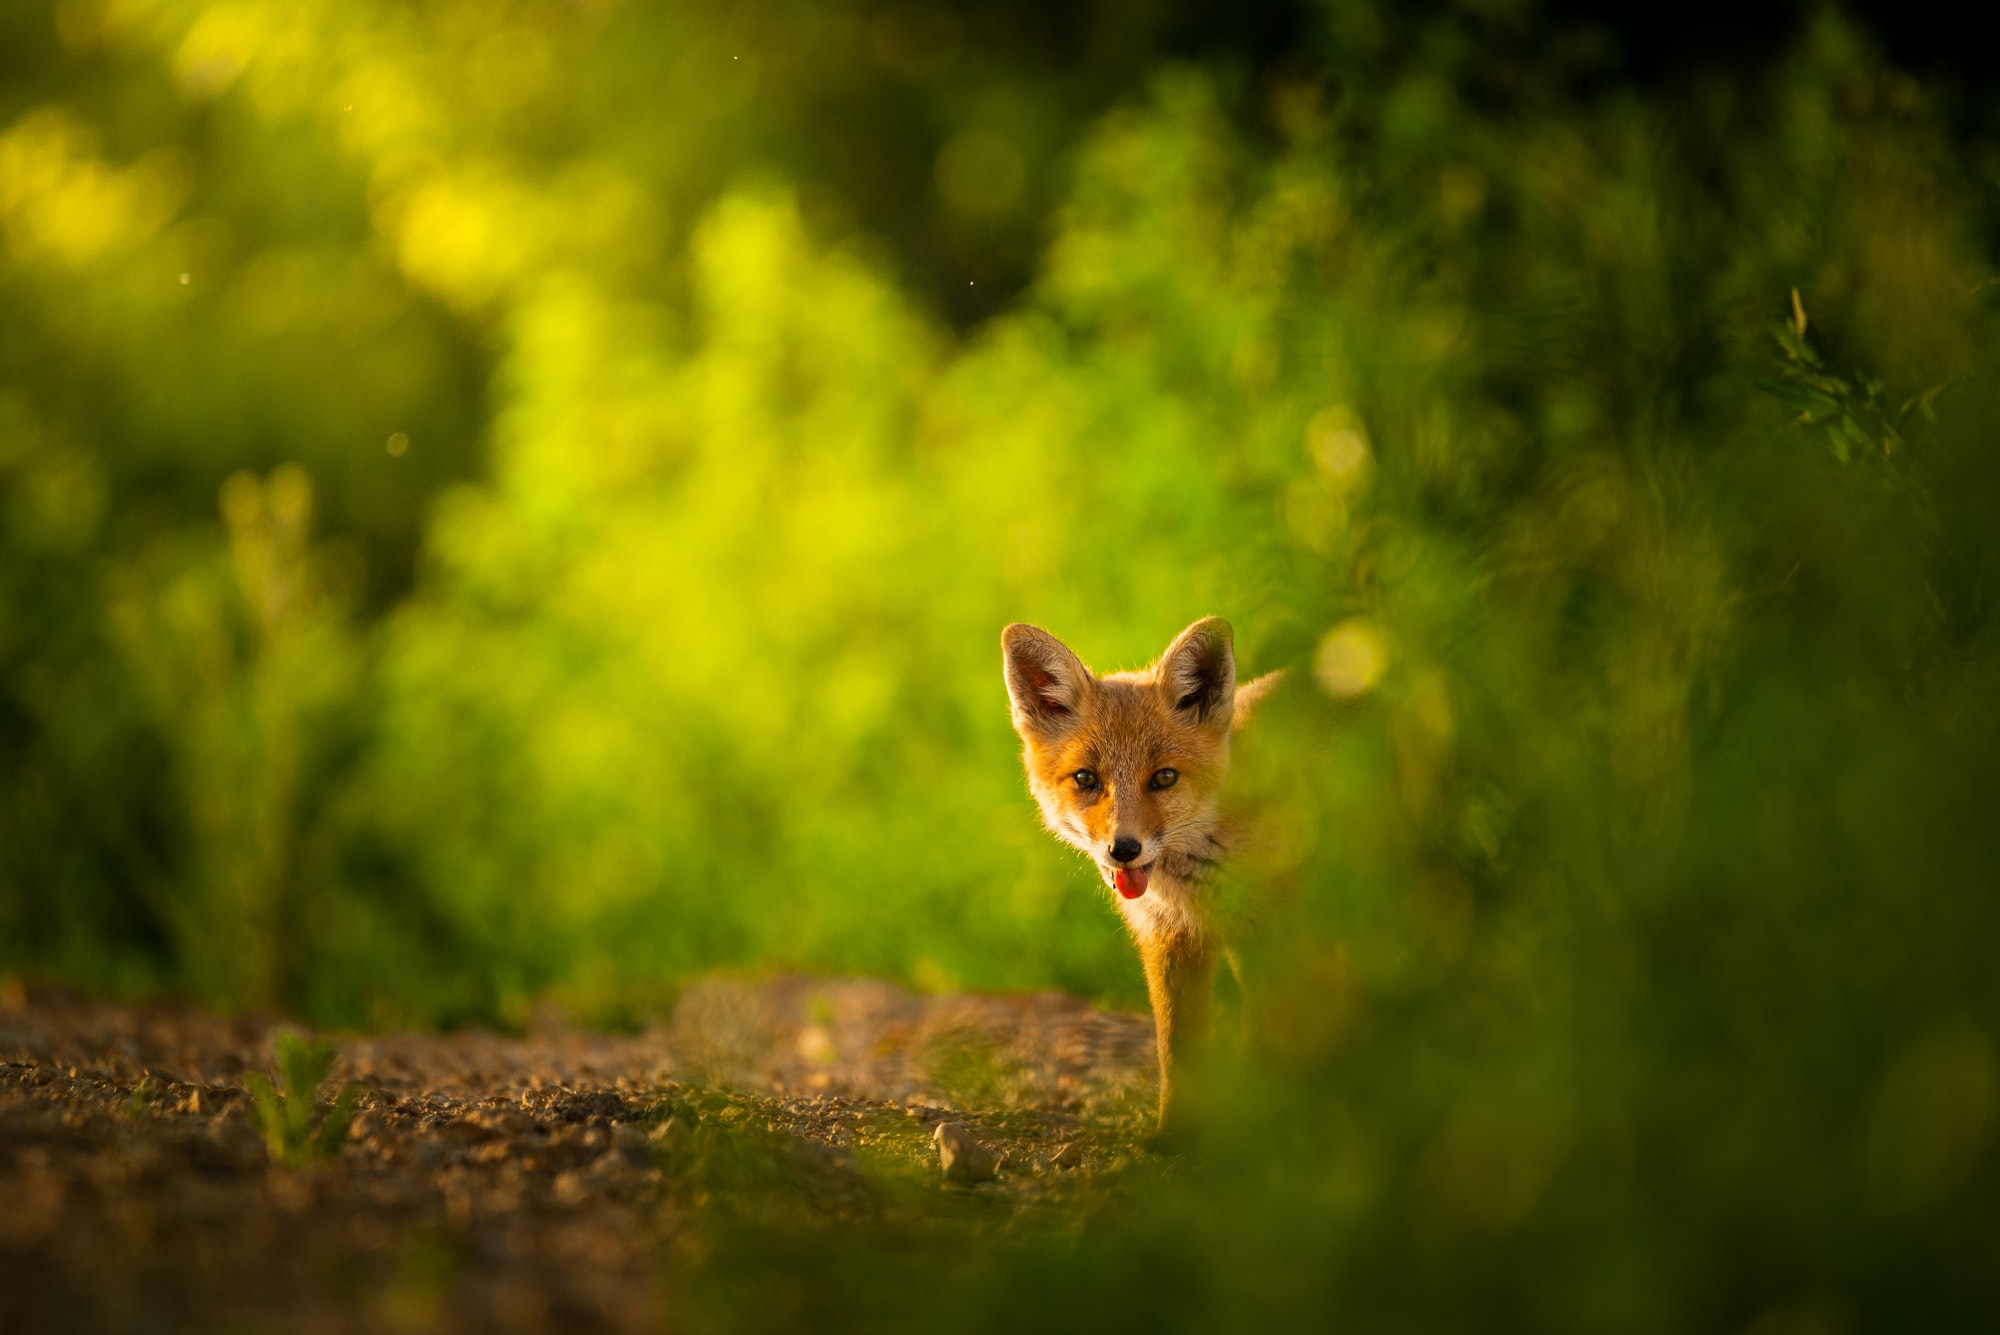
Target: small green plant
(297,1126)
(1852,410)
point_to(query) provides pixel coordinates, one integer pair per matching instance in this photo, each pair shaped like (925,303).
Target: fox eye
(1086,779)
(1165,778)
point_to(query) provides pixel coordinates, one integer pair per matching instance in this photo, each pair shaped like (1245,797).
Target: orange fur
(1135,763)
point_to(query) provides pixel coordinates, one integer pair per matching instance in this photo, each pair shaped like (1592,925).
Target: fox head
(1127,768)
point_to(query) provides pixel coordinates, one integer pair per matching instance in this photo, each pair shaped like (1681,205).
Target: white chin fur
(1167,908)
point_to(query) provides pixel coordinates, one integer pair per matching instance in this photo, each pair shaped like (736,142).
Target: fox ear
(1198,673)
(1046,682)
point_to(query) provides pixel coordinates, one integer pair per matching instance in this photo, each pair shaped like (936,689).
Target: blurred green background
(516,501)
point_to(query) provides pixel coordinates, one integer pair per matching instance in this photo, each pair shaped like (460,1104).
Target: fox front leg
(1179,980)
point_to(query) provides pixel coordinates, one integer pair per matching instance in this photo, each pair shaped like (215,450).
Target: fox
(1130,769)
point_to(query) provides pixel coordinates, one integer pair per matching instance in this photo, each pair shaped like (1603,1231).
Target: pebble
(963,1158)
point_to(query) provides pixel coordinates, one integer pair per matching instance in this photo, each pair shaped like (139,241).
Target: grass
(298,1126)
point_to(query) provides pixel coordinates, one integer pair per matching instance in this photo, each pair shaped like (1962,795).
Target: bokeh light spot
(1351,659)
(1339,445)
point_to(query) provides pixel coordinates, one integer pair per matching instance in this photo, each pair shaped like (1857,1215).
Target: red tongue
(1131,882)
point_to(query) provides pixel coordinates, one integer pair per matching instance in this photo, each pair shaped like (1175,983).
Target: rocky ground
(560,1180)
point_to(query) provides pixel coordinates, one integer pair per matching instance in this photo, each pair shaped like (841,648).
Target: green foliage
(280,241)
(297,1125)
(1853,413)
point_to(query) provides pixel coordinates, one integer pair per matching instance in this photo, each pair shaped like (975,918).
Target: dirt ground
(559,1180)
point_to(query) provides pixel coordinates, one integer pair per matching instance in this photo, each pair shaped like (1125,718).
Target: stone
(962,1157)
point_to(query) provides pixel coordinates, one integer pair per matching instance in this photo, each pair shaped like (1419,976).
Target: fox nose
(1125,849)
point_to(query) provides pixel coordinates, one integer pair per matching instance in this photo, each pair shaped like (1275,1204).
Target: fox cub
(1129,769)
